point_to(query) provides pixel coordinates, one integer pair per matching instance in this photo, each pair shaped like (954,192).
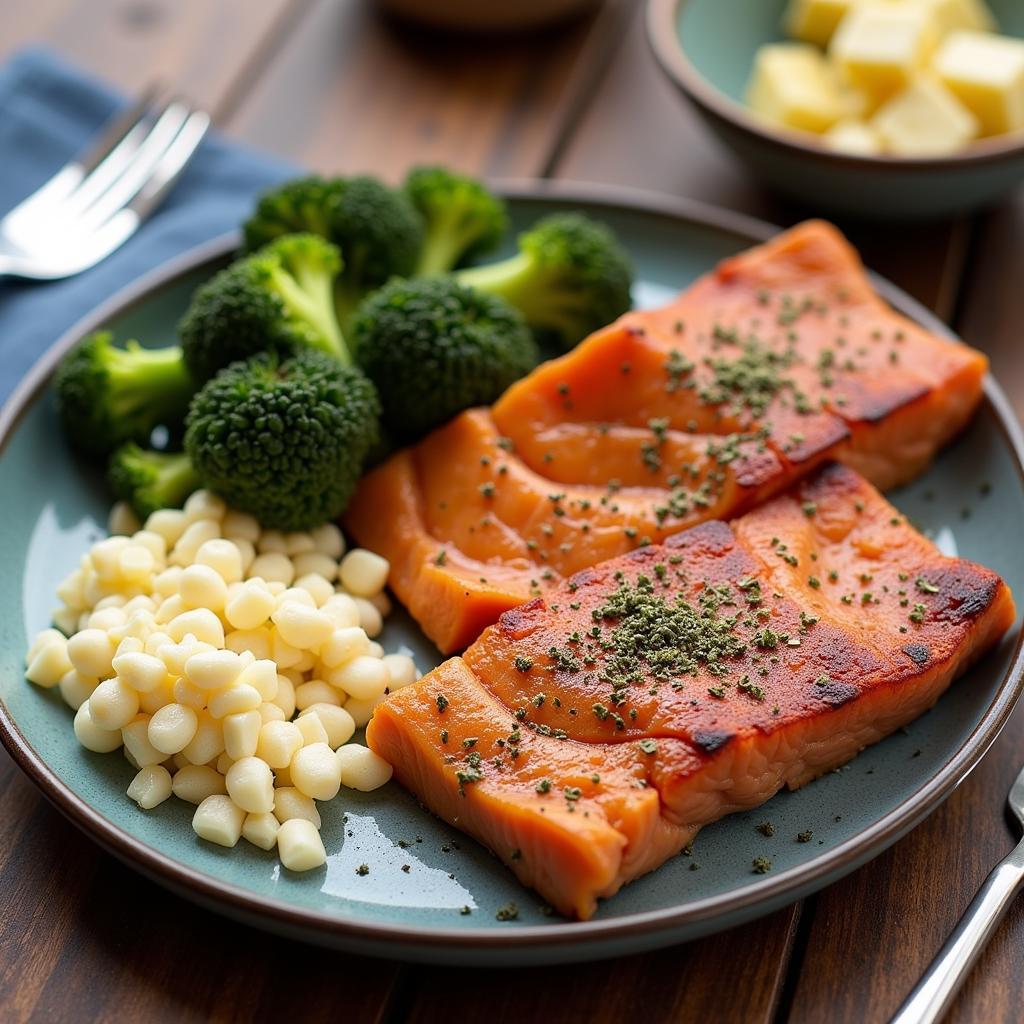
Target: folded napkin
(49,112)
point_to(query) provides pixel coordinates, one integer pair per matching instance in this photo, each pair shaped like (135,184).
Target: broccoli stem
(516,281)
(443,245)
(309,295)
(175,478)
(151,380)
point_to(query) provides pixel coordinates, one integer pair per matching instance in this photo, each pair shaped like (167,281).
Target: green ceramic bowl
(707,47)
(53,507)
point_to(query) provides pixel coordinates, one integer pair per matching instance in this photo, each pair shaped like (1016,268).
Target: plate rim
(645,926)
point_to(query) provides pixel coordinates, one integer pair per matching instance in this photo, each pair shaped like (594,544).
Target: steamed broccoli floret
(434,348)
(462,219)
(569,278)
(107,395)
(284,440)
(278,299)
(377,229)
(150,480)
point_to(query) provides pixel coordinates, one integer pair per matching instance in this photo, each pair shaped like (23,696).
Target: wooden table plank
(356,91)
(209,51)
(683,983)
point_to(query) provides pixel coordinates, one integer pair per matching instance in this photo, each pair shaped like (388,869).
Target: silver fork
(934,993)
(94,204)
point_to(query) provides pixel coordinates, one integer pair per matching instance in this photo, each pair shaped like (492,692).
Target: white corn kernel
(316,562)
(208,741)
(376,650)
(362,710)
(342,611)
(90,652)
(142,672)
(258,641)
(122,521)
(298,542)
(172,728)
(299,846)
(135,736)
(113,705)
(204,504)
(136,564)
(261,675)
(153,543)
(152,701)
(213,670)
(290,804)
(76,688)
(364,678)
(337,722)
(106,618)
(278,743)
(306,663)
(381,602)
(92,736)
(270,712)
(234,700)
(193,783)
(273,566)
(105,555)
(312,728)
(41,639)
(271,541)
(246,553)
(242,733)
(251,785)
(224,763)
(363,573)
(369,617)
(251,606)
(328,540)
(223,557)
(66,620)
(191,696)
(401,671)
(165,584)
(71,590)
(203,587)
(150,787)
(283,653)
(261,830)
(240,525)
(343,646)
(49,664)
(219,820)
(285,696)
(297,596)
(316,691)
(316,772)
(201,623)
(361,768)
(189,543)
(316,586)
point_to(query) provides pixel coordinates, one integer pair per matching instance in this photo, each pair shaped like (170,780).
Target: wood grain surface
(334,85)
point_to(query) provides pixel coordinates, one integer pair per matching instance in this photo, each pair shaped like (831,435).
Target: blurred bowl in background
(488,15)
(707,47)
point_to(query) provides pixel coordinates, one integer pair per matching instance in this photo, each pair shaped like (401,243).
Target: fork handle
(934,993)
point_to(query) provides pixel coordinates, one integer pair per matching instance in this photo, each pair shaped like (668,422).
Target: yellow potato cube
(879,47)
(853,136)
(814,21)
(793,85)
(925,119)
(986,73)
(949,15)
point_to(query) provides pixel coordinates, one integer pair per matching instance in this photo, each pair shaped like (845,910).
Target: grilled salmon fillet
(782,358)
(590,733)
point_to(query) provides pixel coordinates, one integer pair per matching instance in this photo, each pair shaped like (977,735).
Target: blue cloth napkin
(49,112)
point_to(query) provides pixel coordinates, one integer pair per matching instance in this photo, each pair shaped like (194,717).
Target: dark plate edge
(592,937)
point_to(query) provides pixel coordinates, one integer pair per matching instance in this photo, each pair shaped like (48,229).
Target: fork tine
(171,166)
(144,163)
(73,173)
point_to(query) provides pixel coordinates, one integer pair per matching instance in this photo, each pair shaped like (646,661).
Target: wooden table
(333,85)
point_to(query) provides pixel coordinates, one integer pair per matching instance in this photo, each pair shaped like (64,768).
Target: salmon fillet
(590,733)
(782,358)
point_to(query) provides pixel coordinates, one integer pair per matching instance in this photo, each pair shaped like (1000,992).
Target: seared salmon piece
(589,734)
(781,359)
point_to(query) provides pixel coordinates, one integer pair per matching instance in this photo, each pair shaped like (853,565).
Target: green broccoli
(150,480)
(107,395)
(434,348)
(462,219)
(570,277)
(284,440)
(377,229)
(278,299)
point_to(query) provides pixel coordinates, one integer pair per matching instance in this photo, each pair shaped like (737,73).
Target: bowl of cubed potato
(896,109)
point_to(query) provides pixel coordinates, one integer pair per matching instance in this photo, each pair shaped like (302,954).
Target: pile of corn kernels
(232,665)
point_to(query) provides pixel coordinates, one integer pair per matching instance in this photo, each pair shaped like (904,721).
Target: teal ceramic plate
(53,509)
